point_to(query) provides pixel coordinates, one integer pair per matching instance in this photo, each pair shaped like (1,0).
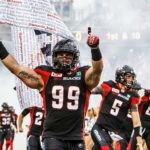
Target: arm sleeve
(15,122)
(25,111)
(106,88)
(135,99)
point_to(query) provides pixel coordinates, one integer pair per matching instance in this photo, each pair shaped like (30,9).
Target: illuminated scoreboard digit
(123,36)
(78,36)
(136,35)
(110,36)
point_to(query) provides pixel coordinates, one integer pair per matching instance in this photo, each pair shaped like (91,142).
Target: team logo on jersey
(56,74)
(115,90)
(71,78)
(78,73)
(127,97)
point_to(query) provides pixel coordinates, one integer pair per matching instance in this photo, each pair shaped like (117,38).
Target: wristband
(138,131)
(3,51)
(96,54)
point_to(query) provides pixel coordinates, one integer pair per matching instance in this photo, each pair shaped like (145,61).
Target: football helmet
(65,45)
(147,92)
(136,86)
(120,75)
(5,105)
(11,108)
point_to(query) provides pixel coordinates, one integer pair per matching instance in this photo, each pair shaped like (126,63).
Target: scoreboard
(113,36)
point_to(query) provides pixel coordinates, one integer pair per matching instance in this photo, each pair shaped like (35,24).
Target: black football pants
(56,144)
(33,143)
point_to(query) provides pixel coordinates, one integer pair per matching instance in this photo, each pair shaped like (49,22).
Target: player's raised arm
(137,125)
(92,76)
(28,76)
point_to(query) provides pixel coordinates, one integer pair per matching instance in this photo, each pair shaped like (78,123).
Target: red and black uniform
(127,127)
(5,128)
(113,111)
(144,110)
(35,128)
(66,99)
(36,120)
(15,117)
(13,128)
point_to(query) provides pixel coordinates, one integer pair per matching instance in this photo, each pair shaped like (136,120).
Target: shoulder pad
(85,67)
(135,94)
(110,83)
(45,68)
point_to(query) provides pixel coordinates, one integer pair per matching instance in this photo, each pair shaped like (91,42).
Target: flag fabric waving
(35,29)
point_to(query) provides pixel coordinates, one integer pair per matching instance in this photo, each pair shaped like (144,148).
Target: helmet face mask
(64,60)
(65,56)
(126,76)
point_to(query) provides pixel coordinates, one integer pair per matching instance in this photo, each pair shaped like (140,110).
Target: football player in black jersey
(35,127)
(127,125)
(65,88)
(5,126)
(13,126)
(117,99)
(144,111)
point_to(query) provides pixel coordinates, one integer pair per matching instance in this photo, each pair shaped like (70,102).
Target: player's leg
(8,138)
(101,138)
(132,142)
(54,144)
(33,143)
(39,143)
(147,140)
(121,144)
(76,145)
(1,139)
(13,136)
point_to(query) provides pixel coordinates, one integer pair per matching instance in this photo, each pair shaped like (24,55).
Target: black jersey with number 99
(66,100)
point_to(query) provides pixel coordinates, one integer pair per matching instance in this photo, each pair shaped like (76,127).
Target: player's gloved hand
(93,41)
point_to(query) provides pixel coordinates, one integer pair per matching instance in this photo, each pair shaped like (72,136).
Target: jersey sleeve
(106,88)
(135,99)
(145,99)
(44,71)
(15,120)
(25,111)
